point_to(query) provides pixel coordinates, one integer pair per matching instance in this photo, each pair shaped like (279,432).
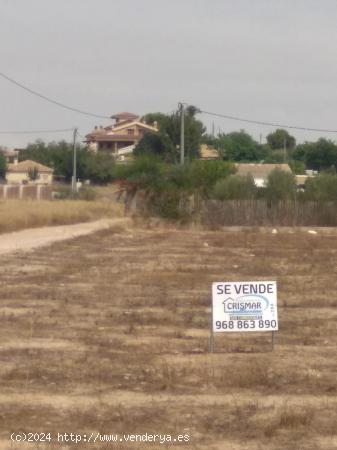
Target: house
(301,179)
(11,155)
(208,153)
(260,172)
(28,172)
(120,138)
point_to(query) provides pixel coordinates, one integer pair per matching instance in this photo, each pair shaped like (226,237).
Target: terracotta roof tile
(259,170)
(26,165)
(124,116)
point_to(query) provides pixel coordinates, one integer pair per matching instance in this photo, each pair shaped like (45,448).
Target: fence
(262,213)
(28,192)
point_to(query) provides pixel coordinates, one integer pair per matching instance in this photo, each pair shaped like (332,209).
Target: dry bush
(235,420)
(291,417)
(19,214)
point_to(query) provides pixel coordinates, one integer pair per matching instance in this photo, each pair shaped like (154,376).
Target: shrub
(62,192)
(169,186)
(281,186)
(97,167)
(321,188)
(169,204)
(297,167)
(144,171)
(87,193)
(204,174)
(235,188)
(84,193)
(156,144)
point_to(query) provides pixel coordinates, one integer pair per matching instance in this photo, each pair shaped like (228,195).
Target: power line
(269,124)
(50,100)
(80,135)
(100,116)
(38,131)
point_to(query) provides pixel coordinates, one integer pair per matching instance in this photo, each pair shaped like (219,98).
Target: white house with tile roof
(120,138)
(28,172)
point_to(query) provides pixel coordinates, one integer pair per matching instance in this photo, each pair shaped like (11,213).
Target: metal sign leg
(211,336)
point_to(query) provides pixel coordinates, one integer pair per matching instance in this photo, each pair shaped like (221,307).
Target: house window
(131,132)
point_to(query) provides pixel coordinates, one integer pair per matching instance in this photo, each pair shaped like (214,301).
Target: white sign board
(244,306)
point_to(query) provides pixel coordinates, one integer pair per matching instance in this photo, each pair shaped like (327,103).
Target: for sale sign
(244,306)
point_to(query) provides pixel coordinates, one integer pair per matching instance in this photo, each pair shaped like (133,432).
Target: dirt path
(29,239)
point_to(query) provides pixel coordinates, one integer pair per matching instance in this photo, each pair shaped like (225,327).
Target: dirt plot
(109,333)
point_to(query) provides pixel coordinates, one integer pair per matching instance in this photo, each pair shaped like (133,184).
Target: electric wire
(50,100)
(265,123)
(101,116)
(37,131)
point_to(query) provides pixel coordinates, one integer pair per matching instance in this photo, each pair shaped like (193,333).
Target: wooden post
(38,191)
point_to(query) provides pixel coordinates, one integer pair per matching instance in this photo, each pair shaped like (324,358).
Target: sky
(266,60)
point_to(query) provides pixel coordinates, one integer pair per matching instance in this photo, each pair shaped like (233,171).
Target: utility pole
(74,179)
(182,134)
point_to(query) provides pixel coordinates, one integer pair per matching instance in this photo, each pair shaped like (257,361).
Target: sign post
(244,306)
(272,340)
(211,337)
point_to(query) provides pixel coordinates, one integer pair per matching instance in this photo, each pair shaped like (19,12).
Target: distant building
(11,155)
(120,138)
(208,153)
(28,172)
(260,172)
(301,179)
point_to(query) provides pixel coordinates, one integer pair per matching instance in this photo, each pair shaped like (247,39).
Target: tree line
(236,146)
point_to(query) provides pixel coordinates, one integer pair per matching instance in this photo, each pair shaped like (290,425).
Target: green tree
(170,126)
(97,167)
(301,151)
(158,144)
(235,187)
(204,174)
(274,156)
(279,137)
(161,119)
(240,146)
(321,188)
(281,185)
(321,155)
(210,140)
(297,167)
(145,172)
(57,155)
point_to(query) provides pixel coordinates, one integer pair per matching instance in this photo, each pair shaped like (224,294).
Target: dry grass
(109,333)
(20,214)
